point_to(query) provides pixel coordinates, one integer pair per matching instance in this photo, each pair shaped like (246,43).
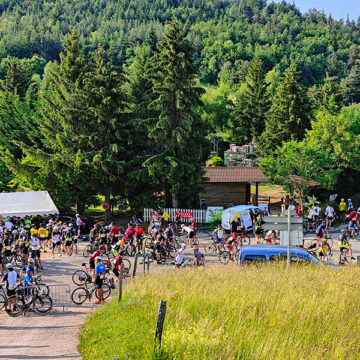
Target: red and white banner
(185,215)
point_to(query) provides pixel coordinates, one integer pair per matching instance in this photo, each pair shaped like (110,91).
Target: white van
(242,211)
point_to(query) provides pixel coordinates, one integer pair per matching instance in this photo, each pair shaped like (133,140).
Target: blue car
(253,254)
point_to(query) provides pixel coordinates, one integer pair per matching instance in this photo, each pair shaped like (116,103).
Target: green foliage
(179,129)
(215,161)
(248,116)
(289,115)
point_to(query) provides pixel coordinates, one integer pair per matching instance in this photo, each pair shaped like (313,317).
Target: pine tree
(18,77)
(248,117)
(289,114)
(151,38)
(178,130)
(350,86)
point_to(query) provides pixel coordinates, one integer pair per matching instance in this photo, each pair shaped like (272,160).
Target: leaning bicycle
(80,294)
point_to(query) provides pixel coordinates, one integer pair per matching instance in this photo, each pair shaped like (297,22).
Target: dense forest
(122,97)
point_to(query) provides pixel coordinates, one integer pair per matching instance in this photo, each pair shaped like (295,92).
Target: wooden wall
(225,194)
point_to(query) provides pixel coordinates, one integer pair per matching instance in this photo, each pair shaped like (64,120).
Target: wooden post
(121,281)
(144,265)
(257,194)
(148,264)
(160,323)
(135,264)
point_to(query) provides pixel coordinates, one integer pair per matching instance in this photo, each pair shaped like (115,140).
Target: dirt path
(46,337)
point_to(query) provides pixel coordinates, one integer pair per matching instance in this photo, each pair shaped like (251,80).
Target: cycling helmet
(102,247)
(31,261)
(24,232)
(14,232)
(9,266)
(183,245)
(107,227)
(70,225)
(28,271)
(343,231)
(56,228)
(349,199)
(98,258)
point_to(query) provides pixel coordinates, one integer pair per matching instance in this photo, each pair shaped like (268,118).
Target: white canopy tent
(27,203)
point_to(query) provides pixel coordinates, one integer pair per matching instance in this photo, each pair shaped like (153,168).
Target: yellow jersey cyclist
(344,243)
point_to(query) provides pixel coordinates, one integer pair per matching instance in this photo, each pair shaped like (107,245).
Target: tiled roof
(234,174)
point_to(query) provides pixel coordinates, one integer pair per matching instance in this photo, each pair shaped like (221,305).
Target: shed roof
(234,174)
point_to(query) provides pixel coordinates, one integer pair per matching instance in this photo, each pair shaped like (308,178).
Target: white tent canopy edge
(27,203)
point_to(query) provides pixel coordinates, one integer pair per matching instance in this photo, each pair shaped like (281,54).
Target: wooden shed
(229,186)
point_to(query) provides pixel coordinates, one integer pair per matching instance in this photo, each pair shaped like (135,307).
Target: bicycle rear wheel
(127,264)
(42,305)
(14,306)
(131,250)
(43,289)
(245,240)
(79,295)
(224,257)
(106,291)
(210,249)
(19,260)
(2,301)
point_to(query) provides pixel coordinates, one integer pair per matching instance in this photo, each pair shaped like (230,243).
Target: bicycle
(80,294)
(21,303)
(14,258)
(214,246)
(2,297)
(344,256)
(91,248)
(225,256)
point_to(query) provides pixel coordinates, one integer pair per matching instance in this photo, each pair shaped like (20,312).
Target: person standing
(329,213)
(98,279)
(342,209)
(78,224)
(11,278)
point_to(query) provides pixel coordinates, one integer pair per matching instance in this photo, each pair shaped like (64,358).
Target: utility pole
(288,238)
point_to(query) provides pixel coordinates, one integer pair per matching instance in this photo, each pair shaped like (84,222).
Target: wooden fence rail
(197,214)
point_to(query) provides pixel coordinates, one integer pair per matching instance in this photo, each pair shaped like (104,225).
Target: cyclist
(352,227)
(27,284)
(258,229)
(342,209)
(98,279)
(180,255)
(316,213)
(42,234)
(271,237)
(169,234)
(199,258)
(329,213)
(191,233)
(69,239)
(344,243)
(11,278)
(321,231)
(229,245)
(7,244)
(103,233)
(159,246)
(116,263)
(96,254)
(25,249)
(139,232)
(350,206)
(56,241)
(94,233)
(218,235)
(236,227)
(35,249)
(114,233)
(130,232)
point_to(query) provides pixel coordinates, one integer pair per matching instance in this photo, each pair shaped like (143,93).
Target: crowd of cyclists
(24,240)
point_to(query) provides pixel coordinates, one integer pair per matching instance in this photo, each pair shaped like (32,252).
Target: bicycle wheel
(245,240)
(79,295)
(127,264)
(42,305)
(14,306)
(2,301)
(88,251)
(43,289)
(131,250)
(210,249)
(19,260)
(106,291)
(171,251)
(80,277)
(356,234)
(224,257)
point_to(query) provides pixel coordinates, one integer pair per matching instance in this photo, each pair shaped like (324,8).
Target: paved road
(46,337)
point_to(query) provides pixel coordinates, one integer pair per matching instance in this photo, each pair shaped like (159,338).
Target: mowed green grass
(264,312)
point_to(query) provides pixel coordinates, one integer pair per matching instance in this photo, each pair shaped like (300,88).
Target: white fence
(198,215)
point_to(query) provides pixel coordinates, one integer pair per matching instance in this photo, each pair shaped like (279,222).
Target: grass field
(231,313)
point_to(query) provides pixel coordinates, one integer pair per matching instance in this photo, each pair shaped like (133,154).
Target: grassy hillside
(231,313)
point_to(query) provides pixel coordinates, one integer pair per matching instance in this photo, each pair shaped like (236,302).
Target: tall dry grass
(264,312)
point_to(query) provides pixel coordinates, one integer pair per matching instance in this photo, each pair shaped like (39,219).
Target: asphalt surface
(55,336)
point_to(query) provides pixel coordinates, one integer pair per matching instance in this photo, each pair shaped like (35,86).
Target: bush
(231,313)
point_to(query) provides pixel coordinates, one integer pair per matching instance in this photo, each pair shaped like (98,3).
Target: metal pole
(288,245)
(121,281)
